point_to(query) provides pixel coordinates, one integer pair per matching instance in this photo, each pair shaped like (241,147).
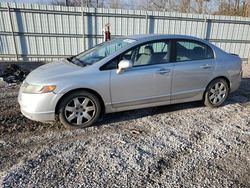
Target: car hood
(51,72)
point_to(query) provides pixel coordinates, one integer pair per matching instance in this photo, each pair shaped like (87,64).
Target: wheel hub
(216,92)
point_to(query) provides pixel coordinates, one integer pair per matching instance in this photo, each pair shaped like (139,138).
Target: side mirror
(123,65)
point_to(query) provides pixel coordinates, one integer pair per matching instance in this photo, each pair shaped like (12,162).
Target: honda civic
(128,73)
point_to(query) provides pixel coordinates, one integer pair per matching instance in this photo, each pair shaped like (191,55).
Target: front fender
(96,82)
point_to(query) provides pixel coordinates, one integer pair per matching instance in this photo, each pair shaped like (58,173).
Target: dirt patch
(178,145)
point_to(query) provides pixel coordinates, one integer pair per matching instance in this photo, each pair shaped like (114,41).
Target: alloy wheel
(80,110)
(217,93)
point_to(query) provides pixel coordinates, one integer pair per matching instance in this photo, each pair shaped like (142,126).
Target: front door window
(149,54)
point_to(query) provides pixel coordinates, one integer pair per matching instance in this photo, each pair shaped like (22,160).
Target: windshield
(100,51)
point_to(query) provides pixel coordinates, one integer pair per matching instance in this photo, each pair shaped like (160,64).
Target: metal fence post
(83,30)
(12,31)
(248,58)
(146,22)
(204,27)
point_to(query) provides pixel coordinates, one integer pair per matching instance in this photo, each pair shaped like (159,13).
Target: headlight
(38,88)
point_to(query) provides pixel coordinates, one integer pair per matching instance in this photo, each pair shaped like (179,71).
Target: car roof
(160,36)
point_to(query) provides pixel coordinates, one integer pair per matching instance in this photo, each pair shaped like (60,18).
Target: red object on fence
(107,34)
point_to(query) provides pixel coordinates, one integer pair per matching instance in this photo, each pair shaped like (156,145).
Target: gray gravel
(185,145)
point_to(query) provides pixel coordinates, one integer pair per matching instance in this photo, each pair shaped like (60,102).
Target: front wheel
(79,110)
(216,93)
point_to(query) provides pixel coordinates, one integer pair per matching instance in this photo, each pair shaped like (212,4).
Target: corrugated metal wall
(44,32)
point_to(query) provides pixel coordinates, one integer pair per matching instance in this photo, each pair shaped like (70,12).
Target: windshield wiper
(69,59)
(81,63)
(78,60)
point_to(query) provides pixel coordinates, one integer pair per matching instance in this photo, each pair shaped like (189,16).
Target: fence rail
(33,32)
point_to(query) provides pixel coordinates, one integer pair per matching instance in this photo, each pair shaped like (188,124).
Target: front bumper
(38,107)
(39,116)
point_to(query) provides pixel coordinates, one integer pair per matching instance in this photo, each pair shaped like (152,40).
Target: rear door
(193,67)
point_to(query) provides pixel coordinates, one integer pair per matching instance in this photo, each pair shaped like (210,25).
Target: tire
(80,109)
(216,93)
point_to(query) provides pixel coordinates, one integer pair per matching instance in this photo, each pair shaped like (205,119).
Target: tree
(234,8)
(115,4)
(201,6)
(159,5)
(87,3)
(185,6)
(222,7)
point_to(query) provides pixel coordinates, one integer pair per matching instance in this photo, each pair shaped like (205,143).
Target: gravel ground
(185,145)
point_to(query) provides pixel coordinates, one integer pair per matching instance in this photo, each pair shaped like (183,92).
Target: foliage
(221,7)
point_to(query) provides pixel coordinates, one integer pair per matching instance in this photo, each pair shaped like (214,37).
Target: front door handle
(206,66)
(163,71)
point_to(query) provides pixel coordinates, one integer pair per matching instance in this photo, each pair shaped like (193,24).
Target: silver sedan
(129,73)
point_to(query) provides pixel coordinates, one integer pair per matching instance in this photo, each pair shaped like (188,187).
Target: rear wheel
(79,110)
(216,93)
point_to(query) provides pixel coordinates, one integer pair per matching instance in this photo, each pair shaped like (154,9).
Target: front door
(148,81)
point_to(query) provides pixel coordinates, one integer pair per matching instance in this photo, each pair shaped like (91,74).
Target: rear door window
(188,50)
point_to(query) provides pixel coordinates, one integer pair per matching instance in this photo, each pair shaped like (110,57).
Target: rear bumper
(235,82)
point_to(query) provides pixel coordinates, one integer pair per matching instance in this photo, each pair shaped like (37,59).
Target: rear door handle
(163,71)
(206,66)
